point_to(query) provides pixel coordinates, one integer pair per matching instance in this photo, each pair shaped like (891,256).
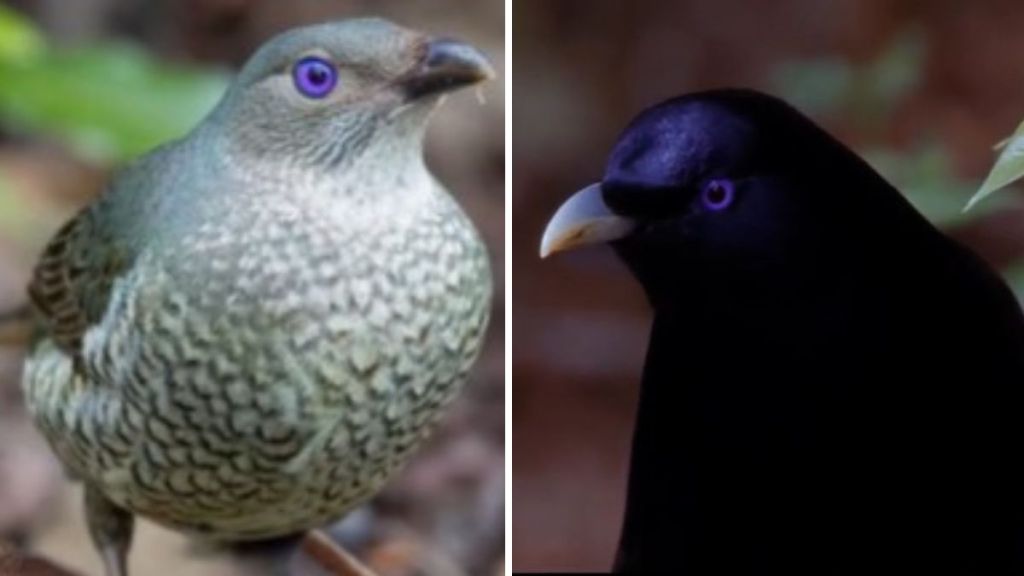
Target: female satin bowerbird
(254,326)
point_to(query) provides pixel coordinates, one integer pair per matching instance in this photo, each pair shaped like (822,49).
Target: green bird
(254,325)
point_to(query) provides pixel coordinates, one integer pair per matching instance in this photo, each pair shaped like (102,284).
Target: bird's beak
(584,219)
(445,66)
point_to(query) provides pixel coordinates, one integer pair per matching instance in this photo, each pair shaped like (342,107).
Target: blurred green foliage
(108,102)
(19,40)
(869,95)
(868,92)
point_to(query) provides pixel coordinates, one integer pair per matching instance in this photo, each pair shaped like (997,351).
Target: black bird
(832,385)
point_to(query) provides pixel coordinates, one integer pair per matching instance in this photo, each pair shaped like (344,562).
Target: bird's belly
(247,415)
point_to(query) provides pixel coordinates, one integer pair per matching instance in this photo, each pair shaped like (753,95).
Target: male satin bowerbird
(832,385)
(253,326)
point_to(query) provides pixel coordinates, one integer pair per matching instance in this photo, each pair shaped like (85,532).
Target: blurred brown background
(922,88)
(60,135)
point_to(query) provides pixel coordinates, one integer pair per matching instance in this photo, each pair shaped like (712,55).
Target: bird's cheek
(681,232)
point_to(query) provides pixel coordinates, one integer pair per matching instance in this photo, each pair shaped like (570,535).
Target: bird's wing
(75,276)
(71,283)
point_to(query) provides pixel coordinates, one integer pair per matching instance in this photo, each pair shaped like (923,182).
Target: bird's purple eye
(717,195)
(314,77)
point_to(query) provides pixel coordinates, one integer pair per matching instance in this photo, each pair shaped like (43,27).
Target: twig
(335,559)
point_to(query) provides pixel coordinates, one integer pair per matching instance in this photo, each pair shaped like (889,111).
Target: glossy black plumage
(832,385)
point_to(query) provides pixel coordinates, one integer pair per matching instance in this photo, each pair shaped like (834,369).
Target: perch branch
(335,559)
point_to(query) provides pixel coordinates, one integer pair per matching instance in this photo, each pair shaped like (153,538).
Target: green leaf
(20,41)
(109,102)
(1008,168)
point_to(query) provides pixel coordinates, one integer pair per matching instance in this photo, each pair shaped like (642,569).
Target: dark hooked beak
(446,65)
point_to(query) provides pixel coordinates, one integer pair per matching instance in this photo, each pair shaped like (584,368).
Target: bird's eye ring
(718,195)
(314,77)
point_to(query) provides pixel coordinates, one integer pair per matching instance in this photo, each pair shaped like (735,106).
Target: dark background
(67,118)
(923,89)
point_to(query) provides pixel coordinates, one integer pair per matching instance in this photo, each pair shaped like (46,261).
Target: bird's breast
(265,371)
(346,299)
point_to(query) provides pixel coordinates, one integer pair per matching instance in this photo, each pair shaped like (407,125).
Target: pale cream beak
(583,219)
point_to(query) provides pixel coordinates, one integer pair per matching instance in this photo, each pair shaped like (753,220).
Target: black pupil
(716,194)
(317,75)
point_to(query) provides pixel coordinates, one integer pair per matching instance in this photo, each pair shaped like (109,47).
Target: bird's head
(730,179)
(322,93)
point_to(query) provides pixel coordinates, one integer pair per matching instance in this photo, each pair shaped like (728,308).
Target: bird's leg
(332,557)
(111,530)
